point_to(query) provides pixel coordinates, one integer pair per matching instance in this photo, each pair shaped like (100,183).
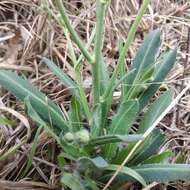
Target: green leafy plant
(94,154)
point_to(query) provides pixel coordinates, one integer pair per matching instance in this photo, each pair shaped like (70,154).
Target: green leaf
(104,76)
(97,163)
(160,158)
(129,172)
(124,118)
(107,98)
(92,184)
(68,82)
(75,89)
(41,103)
(145,57)
(72,151)
(71,181)
(61,160)
(121,123)
(106,139)
(96,124)
(161,71)
(32,151)
(180,158)
(75,114)
(164,172)
(149,147)
(155,110)
(36,117)
(6,121)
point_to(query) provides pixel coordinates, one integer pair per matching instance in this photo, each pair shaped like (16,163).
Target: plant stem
(130,38)
(73,33)
(100,15)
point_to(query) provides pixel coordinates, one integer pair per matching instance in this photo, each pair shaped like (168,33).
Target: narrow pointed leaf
(98,162)
(104,76)
(155,110)
(76,89)
(96,124)
(124,118)
(102,140)
(32,152)
(149,147)
(163,172)
(68,82)
(75,114)
(145,57)
(162,71)
(41,103)
(129,172)
(36,117)
(121,123)
(108,97)
(159,158)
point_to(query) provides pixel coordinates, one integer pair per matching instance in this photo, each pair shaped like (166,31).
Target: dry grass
(27,32)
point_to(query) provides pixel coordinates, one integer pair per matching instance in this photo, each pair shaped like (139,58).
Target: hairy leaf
(164,172)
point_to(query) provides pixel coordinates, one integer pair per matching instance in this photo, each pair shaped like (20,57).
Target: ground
(27,32)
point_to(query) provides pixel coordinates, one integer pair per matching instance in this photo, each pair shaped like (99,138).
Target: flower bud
(69,137)
(82,136)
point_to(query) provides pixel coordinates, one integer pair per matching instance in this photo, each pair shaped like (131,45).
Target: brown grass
(27,32)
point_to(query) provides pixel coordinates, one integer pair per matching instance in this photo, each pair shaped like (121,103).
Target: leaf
(162,69)
(145,57)
(72,151)
(41,103)
(70,84)
(121,123)
(155,110)
(91,183)
(71,181)
(107,98)
(102,140)
(129,172)
(32,152)
(75,114)
(100,163)
(164,172)
(6,121)
(96,124)
(61,160)
(160,158)
(124,118)
(149,147)
(104,76)
(97,162)
(75,89)
(36,117)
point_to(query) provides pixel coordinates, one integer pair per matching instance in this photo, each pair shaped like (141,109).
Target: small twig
(15,67)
